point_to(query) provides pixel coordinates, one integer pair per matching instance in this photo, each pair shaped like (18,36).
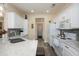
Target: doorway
(39,27)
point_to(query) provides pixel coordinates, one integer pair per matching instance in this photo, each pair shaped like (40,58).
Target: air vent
(53,4)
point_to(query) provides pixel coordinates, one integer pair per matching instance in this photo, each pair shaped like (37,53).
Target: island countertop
(25,48)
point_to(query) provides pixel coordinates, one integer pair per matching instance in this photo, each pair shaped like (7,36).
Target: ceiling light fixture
(1,8)
(32,11)
(47,11)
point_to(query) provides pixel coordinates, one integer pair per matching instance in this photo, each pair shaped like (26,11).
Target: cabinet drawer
(67,50)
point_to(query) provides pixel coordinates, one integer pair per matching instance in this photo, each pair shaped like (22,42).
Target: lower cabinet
(65,49)
(69,51)
(57,47)
(58,51)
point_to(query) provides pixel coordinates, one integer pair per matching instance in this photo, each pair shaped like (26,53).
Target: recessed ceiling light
(47,11)
(1,8)
(32,11)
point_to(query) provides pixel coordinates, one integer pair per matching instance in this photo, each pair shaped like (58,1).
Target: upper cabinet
(74,16)
(25,27)
(14,20)
(69,18)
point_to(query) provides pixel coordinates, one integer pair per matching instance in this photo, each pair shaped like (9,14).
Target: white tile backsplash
(70,35)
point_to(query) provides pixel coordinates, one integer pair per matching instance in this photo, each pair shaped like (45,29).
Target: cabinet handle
(66,46)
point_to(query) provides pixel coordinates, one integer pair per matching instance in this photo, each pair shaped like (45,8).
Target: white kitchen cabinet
(70,17)
(65,24)
(66,52)
(51,31)
(25,27)
(74,13)
(57,22)
(14,20)
(57,46)
(69,50)
(18,21)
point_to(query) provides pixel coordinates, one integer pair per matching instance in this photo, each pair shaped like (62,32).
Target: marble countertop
(72,43)
(25,48)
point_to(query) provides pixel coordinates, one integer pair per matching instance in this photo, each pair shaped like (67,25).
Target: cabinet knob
(66,46)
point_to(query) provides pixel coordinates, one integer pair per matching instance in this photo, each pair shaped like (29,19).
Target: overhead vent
(53,4)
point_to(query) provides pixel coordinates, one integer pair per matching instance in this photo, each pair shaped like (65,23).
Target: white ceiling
(37,7)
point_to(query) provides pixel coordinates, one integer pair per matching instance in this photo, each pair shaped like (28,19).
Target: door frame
(36,26)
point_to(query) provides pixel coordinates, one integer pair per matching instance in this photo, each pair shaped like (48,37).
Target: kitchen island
(24,48)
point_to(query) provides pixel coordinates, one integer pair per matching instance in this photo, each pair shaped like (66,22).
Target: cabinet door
(57,22)
(72,13)
(65,21)
(18,21)
(69,51)
(66,51)
(66,24)
(25,26)
(51,28)
(62,24)
(10,16)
